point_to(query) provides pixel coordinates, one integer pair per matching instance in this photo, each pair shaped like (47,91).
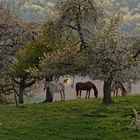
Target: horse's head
(67,81)
(96,94)
(95,90)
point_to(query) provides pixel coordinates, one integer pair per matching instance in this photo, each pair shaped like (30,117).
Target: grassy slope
(70,120)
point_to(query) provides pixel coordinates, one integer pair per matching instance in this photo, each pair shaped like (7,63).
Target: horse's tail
(95,91)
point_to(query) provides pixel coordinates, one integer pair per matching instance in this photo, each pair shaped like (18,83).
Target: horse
(54,88)
(86,86)
(115,89)
(67,81)
(128,86)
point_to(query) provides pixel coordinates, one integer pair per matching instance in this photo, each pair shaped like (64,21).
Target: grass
(70,120)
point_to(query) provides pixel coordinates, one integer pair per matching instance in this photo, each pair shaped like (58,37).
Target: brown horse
(86,86)
(116,86)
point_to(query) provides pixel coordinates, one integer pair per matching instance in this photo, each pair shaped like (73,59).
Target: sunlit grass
(70,120)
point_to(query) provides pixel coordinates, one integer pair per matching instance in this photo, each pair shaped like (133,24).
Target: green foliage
(28,56)
(71,120)
(67,33)
(100,60)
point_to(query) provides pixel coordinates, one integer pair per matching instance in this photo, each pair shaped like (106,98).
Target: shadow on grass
(99,112)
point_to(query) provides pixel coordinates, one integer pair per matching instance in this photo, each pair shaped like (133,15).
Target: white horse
(70,80)
(57,87)
(67,81)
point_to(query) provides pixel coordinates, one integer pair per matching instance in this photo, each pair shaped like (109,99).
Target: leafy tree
(14,33)
(101,54)
(26,57)
(30,54)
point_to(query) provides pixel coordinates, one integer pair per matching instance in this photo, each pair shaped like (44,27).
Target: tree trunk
(16,101)
(21,90)
(22,86)
(107,92)
(49,96)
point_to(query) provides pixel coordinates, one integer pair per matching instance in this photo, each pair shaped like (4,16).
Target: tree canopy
(102,54)
(83,38)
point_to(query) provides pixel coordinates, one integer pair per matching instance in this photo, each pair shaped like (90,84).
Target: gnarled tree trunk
(21,90)
(107,92)
(49,96)
(22,86)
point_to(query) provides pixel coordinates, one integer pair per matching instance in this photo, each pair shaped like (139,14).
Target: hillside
(132,18)
(71,120)
(30,10)
(37,10)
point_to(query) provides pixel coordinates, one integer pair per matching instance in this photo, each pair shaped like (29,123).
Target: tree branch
(30,83)
(16,81)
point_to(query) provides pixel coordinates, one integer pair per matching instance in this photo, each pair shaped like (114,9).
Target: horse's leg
(86,95)
(117,90)
(80,93)
(61,95)
(77,92)
(114,93)
(89,93)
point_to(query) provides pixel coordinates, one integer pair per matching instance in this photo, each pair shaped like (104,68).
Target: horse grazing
(115,89)
(86,86)
(54,88)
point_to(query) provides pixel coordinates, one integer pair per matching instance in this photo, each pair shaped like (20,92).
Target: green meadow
(81,119)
